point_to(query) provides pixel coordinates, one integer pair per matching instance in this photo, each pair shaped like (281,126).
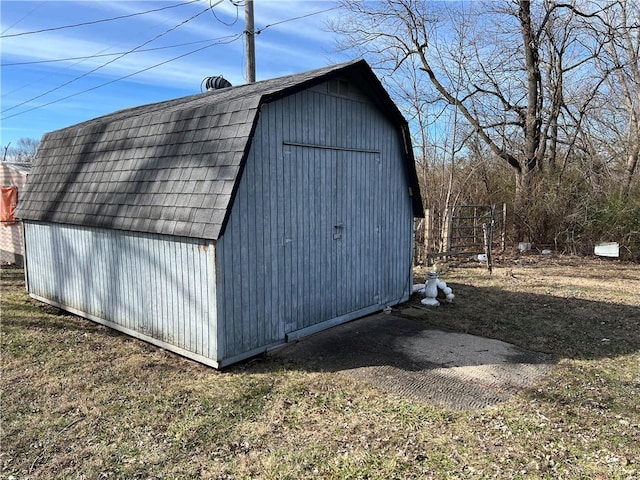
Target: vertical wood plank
(149,283)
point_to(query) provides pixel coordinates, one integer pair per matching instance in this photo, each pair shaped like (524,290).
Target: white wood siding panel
(161,287)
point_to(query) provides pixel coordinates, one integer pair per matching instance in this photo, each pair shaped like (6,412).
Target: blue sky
(33,94)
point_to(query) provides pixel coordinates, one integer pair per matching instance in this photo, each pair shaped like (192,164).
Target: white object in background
(482,257)
(546,252)
(524,246)
(607,249)
(431,290)
(418,288)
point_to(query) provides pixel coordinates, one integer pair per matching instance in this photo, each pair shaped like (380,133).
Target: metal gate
(467,230)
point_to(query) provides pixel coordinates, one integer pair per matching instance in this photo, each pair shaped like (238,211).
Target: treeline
(568,216)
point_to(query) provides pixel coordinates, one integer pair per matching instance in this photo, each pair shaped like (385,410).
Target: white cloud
(49,47)
(288,47)
(299,42)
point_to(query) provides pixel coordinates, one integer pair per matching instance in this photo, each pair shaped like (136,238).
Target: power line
(222,22)
(98,21)
(219,41)
(23,17)
(259,31)
(105,64)
(231,38)
(68,59)
(25,85)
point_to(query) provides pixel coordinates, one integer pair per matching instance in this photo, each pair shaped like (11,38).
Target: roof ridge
(183,101)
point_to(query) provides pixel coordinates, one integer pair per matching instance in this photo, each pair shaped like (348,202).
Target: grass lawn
(82,401)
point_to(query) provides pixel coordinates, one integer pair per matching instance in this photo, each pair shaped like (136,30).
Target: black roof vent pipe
(215,83)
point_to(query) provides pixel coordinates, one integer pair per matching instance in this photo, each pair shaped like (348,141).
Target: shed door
(331,236)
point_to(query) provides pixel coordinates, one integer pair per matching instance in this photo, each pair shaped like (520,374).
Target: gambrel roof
(172,167)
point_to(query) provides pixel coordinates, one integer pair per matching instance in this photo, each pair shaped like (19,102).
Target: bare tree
(619,62)
(503,68)
(24,152)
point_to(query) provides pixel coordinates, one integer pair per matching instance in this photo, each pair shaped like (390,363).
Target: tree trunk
(632,164)
(533,120)
(521,203)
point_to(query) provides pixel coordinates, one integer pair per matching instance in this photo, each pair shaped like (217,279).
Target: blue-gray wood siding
(159,286)
(321,225)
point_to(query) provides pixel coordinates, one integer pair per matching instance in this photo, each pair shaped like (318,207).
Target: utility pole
(249,31)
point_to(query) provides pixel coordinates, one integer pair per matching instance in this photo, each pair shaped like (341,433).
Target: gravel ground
(401,355)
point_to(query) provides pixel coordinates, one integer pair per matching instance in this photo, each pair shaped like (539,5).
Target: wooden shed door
(332,234)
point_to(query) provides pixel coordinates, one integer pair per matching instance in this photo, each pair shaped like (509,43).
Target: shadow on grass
(560,327)
(564,327)
(423,353)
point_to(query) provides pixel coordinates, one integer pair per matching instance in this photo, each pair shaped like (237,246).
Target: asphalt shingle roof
(170,167)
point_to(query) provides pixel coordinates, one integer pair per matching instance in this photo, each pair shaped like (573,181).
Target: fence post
(487,228)
(503,229)
(426,239)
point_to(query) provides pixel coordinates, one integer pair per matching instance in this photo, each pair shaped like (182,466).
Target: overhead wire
(232,38)
(260,30)
(68,59)
(94,22)
(28,14)
(138,48)
(222,22)
(105,64)
(78,61)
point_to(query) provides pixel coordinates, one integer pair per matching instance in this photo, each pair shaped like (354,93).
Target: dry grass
(82,401)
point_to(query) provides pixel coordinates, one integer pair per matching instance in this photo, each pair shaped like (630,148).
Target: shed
(13,177)
(225,223)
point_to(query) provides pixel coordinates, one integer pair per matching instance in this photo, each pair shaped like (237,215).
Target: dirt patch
(403,356)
